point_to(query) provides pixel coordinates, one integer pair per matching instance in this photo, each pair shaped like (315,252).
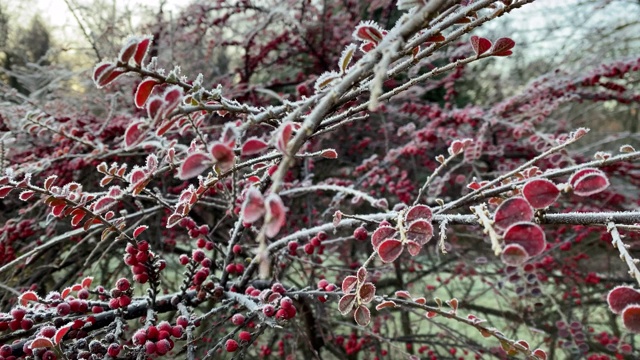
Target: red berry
(164,326)
(315,242)
(18,313)
(200,243)
(130,249)
(182,321)
(48,355)
(309,248)
(141,278)
(231,345)
(152,333)
(237,249)
(143,246)
(268,310)
(322,236)
(244,336)
(150,348)
(198,255)
(231,268)
(293,246)
(322,284)
(163,346)
(26,324)
(360,233)
(114,303)
(123,284)
(113,350)
(239,268)
(237,319)
(83,294)
(184,259)
(286,302)
(47,331)
(5,350)
(140,337)
(176,331)
(142,257)
(208,245)
(282,314)
(62,309)
(124,300)
(278,288)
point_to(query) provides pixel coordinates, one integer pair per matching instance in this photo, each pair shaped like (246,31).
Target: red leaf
(367,46)
(453,303)
(144,90)
(58,210)
(361,274)
(28,296)
(166,126)
(141,50)
(49,181)
(622,296)
(345,304)
(631,318)
(513,210)
(418,212)
(385,304)
(173,220)
(349,283)
(367,292)
(456,147)
(580,173)
(194,165)
(154,109)
(139,230)
(382,233)
(65,292)
(41,342)
(368,32)
(540,193)
(420,231)
(590,184)
(86,282)
(4,191)
(253,146)
(362,315)
(514,255)
(78,215)
(108,76)
(431,314)
(480,45)
(57,339)
(172,98)
(541,354)
(389,250)
(223,155)
(134,134)
(329,154)
(128,49)
(275,216)
(403,294)
(413,247)
(100,69)
(102,204)
(253,206)
(503,47)
(437,37)
(528,235)
(283,136)
(26,195)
